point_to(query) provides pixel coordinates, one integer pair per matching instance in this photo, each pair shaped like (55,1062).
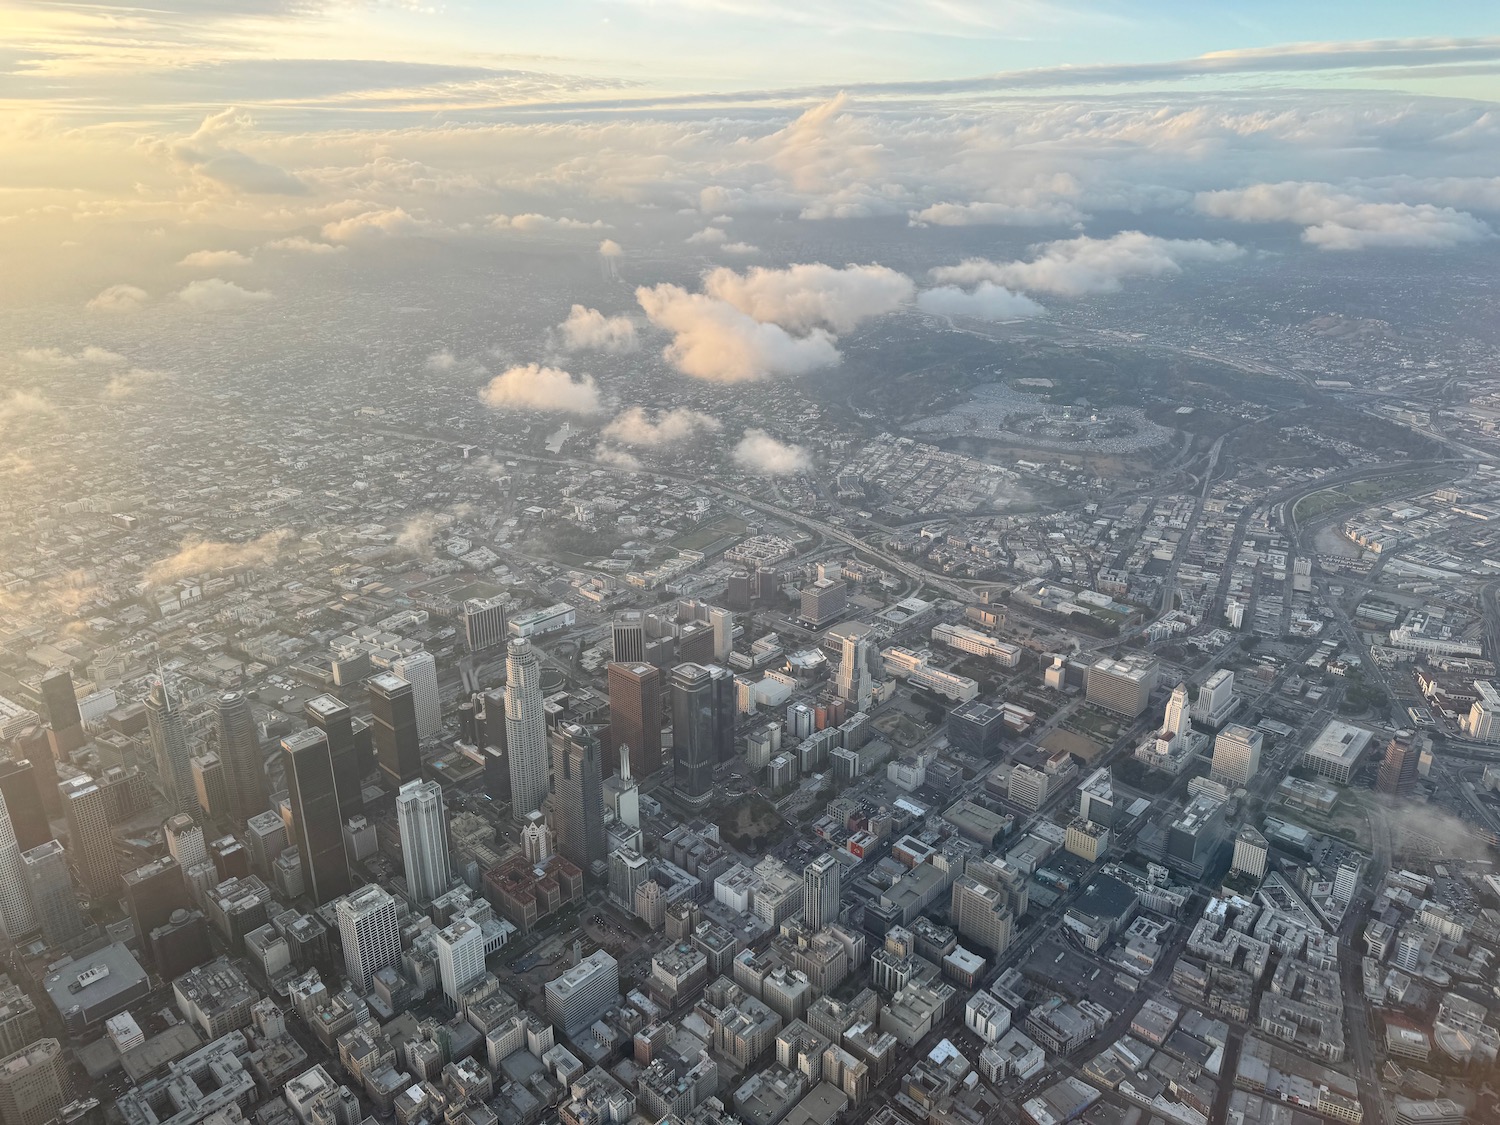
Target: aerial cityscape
(699,563)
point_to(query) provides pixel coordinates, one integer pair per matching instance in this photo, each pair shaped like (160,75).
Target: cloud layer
(1333,219)
(713,340)
(214,294)
(1078,266)
(588,329)
(636,427)
(533,387)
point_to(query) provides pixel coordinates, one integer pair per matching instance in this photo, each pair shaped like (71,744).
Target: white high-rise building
(185,841)
(536,838)
(424,839)
(420,670)
(460,955)
(1177,717)
(170,748)
(16,914)
(368,931)
(1236,755)
(1251,853)
(525,729)
(1215,698)
(856,679)
(820,891)
(583,993)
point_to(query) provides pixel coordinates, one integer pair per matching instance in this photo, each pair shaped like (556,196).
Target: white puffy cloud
(635,427)
(214,294)
(119,298)
(759,452)
(708,236)
(214,259)
(531,221)
(589,329)
(986,301)
(129,382)
(20,405)
(714,340)
(1051,199)
(609,248)
(533,387)
(1076,266)
(207,156)
(1333,219)
(617,459)
(802,297)
(744,249)
(377,223)
(90,356)
(443,360)
(196,556)
(300,244)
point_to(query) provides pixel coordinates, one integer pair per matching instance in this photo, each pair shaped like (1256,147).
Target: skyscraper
(185,841)
(726,707)
(240,752)
(152,892)
(857,671)
(397,744)
(484,623)
(583,993)
(34,1084)
(629,636)
(634,717)
(21,791)
(52,896)
(1236,755)
(420,670)
(1178,716)
(525,729)
(820,891)
(169,746)
(316,826)
(694,746)
(16,915)
(60,699)
(1398,771)
(209,785)
(424,840)
(91,840)
(329,714)
(578,798)
(367,929)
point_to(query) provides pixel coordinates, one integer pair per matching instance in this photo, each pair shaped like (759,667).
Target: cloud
(214,294)
(119,298)
(197,556)
(1342,220)
(533,387)
(214,259)
(206,155)
(379,223)
(1077,266)
(21,405)
(609,248)
(759,452)
(706,237)
(90,356)
(127,383)
(714,340)
(743,248)
(443,360)
(634,427)
(589,329)
(532,222)
(617,459)
(298,244)
(996,214)
(986,301)
(800,298)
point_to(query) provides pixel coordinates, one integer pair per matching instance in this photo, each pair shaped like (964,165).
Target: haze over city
(709,563)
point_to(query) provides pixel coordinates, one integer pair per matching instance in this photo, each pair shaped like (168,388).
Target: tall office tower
(329,714)
(726,707)
(65,732)
(169,746)
(629,634)
(737,591)
(239,750)
(824,600)
(722,622)
(460,956)
(152,892)
(23,798)
(1236,755)
(16,914)
(857,671)
(484,623)
(622,793)
(1216,700)
(34,746)
(1398,771)
(694,746)
(525,729)
(91,840)
(578,802)
(420,670)
(398,746)
(51,889)
(1178,715)
(820,891)
(536,838)
(367,929)
(1123,686)
(1251,853)
(634,717)
(628,872)
(185,841)
(210,786)
(424,840)
(34,1084)
(364,745)
(583,993)
(265,838)
(317,828)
